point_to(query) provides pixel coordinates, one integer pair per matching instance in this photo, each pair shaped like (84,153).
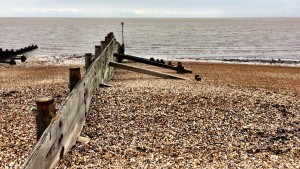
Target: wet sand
(237,116)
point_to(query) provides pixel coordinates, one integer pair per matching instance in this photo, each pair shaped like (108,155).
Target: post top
(74,68)
(44,101)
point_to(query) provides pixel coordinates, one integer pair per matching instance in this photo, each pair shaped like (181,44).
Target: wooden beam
(147,61)
(144,71)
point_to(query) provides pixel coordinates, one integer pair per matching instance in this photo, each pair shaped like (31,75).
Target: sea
(173,39)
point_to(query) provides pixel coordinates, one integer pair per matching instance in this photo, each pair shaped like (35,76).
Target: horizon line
(72,17)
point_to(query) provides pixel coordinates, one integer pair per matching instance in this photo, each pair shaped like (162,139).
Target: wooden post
(74,77)
(103,46)
(88,60)
(23,58)
(97,51)
(107,40)
(111,36)
(180,68)
(12,62)
(108,37)
(44,114)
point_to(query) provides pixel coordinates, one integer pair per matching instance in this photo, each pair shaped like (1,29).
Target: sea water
(212,39)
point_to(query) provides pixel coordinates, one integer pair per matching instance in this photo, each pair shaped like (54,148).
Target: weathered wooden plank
(62,134)
(149,62)
(144,71)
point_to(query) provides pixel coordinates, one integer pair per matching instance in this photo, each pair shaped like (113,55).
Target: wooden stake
(180,68)
(97,51)
(111,36)
(74,77)
(107,40)
(103,45)
(88,60)
(44,114)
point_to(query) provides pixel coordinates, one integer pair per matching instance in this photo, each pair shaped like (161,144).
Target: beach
(237,116)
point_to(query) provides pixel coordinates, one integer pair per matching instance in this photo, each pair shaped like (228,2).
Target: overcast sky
(150,8)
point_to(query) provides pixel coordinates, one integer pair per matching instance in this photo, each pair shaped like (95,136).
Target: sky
(150,8)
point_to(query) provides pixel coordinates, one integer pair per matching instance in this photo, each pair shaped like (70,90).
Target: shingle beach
(245,116)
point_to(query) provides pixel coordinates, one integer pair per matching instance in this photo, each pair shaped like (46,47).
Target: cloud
(162,13)
(149,8)
(45,10)
(72,10)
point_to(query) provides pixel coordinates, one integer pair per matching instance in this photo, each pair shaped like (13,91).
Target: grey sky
(150,8)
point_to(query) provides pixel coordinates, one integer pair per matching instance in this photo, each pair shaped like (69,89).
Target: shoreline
(272,62)
(79,60)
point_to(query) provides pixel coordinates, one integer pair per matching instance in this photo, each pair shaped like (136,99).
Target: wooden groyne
(9,56)
(66,125)
(58,131)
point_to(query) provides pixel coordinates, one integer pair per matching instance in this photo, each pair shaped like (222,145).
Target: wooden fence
(62,133)
(66,124)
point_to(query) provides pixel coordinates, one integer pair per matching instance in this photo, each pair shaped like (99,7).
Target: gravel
(225,120)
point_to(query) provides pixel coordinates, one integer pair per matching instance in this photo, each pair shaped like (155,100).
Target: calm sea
(260,38)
